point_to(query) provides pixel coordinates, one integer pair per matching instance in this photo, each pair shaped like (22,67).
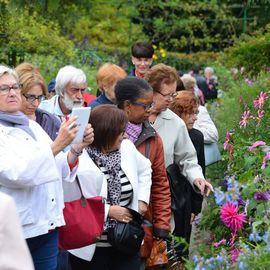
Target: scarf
(17,120)
(112,164)
(133,131)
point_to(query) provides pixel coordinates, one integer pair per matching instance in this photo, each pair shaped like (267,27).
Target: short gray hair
(209,69)
(7,70)
(66,75)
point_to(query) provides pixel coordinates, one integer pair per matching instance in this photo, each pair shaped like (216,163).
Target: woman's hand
(208,188)
(142,207)
(204,186)
(66,135)
(120,213)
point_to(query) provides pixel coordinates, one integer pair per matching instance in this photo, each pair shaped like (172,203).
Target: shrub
(250,52)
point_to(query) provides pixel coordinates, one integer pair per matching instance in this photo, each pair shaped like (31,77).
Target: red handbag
(84,222)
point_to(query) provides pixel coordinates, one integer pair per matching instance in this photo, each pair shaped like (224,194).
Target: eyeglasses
(145,106)
(32,98)
(193,114)
(168,96)
(5,89)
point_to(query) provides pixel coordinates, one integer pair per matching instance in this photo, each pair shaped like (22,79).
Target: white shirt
(33,177)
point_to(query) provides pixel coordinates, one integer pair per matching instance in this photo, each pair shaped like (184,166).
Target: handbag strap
(83,199)
(147,148)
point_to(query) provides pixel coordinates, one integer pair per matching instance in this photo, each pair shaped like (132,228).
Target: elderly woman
(211,80)
(186,105)
(107,76)
(33,92)
(32,170)
(135,97)
(190,84)
(178,147)
(126,182)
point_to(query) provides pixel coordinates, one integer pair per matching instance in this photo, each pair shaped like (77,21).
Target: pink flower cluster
(260,100)
(231,218)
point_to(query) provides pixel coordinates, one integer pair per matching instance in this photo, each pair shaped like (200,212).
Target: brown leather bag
(158,254)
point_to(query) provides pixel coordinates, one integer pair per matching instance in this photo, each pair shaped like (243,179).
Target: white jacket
(137,169)
(33,177)
(207,127)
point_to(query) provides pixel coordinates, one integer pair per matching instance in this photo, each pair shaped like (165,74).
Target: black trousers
(107,258)
(182,229)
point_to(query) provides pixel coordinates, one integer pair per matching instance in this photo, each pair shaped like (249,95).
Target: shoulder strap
(147,148)
(83,199)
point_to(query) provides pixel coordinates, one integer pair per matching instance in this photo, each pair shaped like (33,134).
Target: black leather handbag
(179,186)
(127,237)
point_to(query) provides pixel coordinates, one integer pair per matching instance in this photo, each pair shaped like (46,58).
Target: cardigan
(93,183)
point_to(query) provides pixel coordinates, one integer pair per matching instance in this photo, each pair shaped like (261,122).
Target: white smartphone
(83,114)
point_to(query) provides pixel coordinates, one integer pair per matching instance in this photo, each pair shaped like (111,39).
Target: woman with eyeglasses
(33,168)
(33,91)
(178,147)
(135,97)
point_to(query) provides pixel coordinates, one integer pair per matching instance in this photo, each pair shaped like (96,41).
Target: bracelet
(74,152)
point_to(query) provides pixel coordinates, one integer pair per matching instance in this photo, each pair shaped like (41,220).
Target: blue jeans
(44,250)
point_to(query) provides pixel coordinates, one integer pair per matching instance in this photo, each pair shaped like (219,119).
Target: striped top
(125,200)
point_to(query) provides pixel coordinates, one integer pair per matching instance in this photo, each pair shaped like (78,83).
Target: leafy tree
(187,26)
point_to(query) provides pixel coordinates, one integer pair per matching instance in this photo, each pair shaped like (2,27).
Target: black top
(196,137)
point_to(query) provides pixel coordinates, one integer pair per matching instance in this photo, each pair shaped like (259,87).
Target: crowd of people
(140,124)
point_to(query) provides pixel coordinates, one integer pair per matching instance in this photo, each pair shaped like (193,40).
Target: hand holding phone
(82,115)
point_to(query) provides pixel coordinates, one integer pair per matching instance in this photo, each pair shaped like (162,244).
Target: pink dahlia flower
(266,157)
(260,100)
(231,218)
(255,145)
(245,118)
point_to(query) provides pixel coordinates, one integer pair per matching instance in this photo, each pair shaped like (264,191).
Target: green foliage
(49,66)
(237,87)
(201,27)
(246,184)
(34,35)
(250,52)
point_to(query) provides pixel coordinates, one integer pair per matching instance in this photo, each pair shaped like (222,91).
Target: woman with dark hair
(142,58)
(135,97)
(126,182)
